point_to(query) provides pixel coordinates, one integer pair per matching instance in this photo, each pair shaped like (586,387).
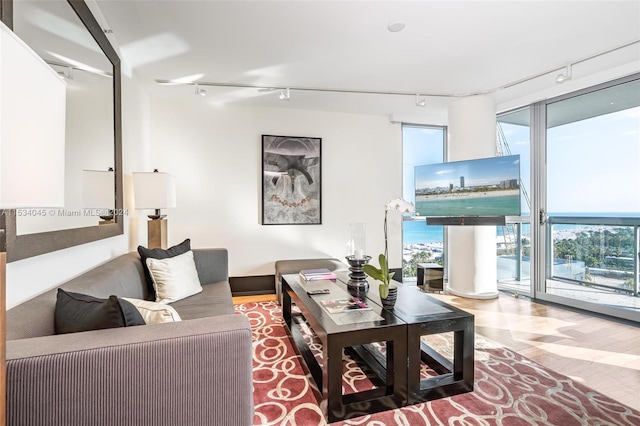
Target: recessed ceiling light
(395,26)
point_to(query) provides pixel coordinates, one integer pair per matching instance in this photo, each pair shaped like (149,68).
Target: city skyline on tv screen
(478,187)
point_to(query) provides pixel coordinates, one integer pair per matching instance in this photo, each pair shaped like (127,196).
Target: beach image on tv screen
(479,187)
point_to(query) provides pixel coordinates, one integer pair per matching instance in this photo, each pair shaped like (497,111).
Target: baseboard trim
(490,295)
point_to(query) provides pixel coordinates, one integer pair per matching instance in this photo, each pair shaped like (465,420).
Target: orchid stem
(386,249)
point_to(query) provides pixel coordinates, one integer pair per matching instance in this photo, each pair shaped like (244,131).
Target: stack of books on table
(317,274)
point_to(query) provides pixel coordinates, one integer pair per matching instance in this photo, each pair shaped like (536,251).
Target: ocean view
(417,232)
(482,206)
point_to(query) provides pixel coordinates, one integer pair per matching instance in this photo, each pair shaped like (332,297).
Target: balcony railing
(594,252)
(608,247)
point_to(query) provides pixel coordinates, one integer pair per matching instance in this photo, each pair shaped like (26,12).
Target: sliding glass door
(513,241)
(590,199)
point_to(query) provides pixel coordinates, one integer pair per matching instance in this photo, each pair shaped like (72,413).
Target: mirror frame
(29,245)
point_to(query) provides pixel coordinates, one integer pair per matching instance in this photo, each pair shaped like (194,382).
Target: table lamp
(32,157)
(155,190)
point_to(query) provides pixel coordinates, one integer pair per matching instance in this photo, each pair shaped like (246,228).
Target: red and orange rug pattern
(509,389)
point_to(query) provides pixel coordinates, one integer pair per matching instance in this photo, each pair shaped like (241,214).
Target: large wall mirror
(66,35)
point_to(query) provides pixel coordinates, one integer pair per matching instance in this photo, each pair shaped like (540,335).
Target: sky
(594,165)
(485,171)
(591,169)
(420,146)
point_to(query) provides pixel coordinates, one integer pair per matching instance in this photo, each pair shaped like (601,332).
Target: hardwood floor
(601,353)
(251,299)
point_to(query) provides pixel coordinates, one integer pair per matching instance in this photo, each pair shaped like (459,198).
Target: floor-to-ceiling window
(421,243)
(514,240)
(591,199)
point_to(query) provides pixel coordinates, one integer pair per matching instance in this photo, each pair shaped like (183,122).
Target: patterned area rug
(509,389)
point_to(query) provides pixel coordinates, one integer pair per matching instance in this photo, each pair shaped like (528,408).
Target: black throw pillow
(80,312)
(158,253)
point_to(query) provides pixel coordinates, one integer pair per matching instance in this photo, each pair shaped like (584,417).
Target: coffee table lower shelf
(387,373)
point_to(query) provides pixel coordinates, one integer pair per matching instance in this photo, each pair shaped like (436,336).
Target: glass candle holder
(358,239)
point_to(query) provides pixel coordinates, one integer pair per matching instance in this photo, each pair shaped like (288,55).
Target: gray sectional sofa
(194,372)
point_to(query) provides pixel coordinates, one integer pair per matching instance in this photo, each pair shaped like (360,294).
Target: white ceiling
(447,47)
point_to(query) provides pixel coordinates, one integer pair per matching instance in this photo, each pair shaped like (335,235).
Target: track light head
(66,73)
(200,91)
(284,95)
(562,77)
(420,101)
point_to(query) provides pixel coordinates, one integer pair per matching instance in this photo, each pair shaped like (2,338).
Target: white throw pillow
(154,313)
(174,278)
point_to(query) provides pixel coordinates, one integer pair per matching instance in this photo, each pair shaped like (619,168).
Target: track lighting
(420,99)
(200,91)
(66,73)
(284,95)
(561,78)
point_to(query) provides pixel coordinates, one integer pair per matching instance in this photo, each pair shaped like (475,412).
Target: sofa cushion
(76,312)
(154,313)
(214,300)
(158,253)
(174,278)
(122,276)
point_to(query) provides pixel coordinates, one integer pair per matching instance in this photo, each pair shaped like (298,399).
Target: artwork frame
(291,180)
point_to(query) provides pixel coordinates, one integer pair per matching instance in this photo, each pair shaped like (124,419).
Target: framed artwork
(291,180)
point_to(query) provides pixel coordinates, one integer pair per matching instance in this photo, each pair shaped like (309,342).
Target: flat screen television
(471,192)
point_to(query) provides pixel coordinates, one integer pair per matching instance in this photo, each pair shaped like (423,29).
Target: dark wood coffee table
(426,315)
(396,374)
(349,330)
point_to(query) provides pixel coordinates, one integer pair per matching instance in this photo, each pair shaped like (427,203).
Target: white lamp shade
(98,189)
(32,128)
(154,190)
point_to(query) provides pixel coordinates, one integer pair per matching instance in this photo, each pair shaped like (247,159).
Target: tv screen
(483,187)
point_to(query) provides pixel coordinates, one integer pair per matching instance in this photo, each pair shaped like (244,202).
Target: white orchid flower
(382,274)
(400,205)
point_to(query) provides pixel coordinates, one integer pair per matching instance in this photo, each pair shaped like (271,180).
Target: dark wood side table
(430,276)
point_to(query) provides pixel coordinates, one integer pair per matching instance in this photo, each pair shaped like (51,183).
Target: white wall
(29,277)
(215,154)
